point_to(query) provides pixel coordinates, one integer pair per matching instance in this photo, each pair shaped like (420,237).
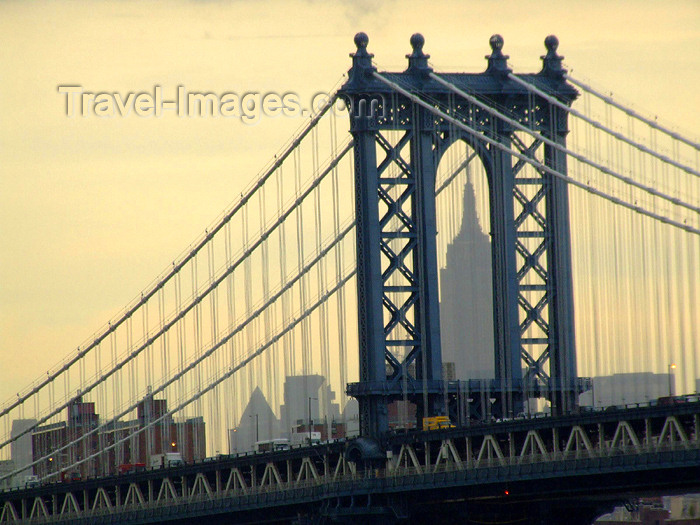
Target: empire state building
(466,302)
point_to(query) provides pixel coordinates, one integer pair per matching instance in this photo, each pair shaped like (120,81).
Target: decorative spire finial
(417,60)
(498,62)
(417,42)
(551,62)
(361,41)
(362,68)
(496,43)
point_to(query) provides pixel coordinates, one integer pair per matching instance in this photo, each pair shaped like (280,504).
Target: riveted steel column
(562,353)
(505,283)
(373,409)
(507,343)
(423,166)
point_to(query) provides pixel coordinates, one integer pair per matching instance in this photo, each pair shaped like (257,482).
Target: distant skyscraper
(305,397)
(466,303)
(258,423)
(21,448)
(305,392)
(57,445)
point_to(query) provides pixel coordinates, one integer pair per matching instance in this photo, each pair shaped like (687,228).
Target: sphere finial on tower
(498,62)
(417,42)
(551,43)
(417,60)
(551,62)
(361,40)
(362,68)
(496,43)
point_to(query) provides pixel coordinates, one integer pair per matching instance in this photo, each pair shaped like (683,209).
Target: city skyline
(258,422)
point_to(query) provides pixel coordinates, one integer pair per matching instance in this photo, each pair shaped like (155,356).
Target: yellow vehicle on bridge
(436,423)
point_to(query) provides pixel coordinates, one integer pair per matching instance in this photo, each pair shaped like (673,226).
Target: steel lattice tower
(396,232)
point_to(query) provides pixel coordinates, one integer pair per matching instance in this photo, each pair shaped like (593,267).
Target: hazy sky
(92,209)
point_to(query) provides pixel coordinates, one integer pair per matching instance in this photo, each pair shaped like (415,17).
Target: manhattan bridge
(333,264)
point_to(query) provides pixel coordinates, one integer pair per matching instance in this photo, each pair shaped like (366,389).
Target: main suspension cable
(531,161)
(196,300)
(190,366)
(598,125)
(632,113)
(112,326)
(563,149)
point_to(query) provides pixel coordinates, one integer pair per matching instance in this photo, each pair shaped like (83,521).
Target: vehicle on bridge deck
(272,445)
(68,477)
(131,467)
(169,459)
(304,437)
(671,400)
(437,423)
(31,481)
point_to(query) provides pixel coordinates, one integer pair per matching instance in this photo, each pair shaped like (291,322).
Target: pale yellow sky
(91,209)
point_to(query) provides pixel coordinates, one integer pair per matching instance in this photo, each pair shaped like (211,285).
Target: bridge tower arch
(398,145)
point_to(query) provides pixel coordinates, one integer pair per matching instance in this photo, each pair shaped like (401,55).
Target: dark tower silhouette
(398,143)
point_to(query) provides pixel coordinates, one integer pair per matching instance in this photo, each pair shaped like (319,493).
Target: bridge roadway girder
(522,469)
(465,399)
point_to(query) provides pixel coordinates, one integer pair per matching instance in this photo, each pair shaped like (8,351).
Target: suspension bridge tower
(398,144)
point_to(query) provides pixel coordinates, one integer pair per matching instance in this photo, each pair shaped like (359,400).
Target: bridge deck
(591,461)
